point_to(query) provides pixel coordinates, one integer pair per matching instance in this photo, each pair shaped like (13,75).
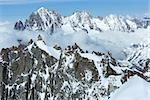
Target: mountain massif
(45,20)
(37,71)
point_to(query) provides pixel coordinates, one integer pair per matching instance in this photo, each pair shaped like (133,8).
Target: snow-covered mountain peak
(117,23)
(78,21)
(115,17)
(42,9)
(79,17)
(81,14)
(44,20)
(43,12)
(112,16)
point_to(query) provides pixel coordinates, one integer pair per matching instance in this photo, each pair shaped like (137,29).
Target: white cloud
(4,23)
(104,41)
(147,14)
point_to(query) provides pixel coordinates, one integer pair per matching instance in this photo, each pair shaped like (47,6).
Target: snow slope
(134,89)
(51,51)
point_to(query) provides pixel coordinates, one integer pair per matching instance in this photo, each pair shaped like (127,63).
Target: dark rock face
(19,26)
(18,61)
(81,65)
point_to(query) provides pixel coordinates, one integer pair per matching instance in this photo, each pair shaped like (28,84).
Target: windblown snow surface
(113,41)
(135,89)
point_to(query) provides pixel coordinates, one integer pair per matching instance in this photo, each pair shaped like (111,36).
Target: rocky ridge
(35,72)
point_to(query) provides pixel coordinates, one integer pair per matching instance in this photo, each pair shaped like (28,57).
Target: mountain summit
(43,20)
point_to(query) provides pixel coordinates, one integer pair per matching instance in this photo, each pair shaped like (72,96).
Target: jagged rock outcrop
(19,26)
(31,72)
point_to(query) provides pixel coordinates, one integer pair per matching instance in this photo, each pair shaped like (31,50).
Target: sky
(12,10)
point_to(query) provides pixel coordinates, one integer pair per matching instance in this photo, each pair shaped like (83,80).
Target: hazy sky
(12,10)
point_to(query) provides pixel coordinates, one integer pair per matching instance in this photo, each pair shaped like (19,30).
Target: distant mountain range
(46,20)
